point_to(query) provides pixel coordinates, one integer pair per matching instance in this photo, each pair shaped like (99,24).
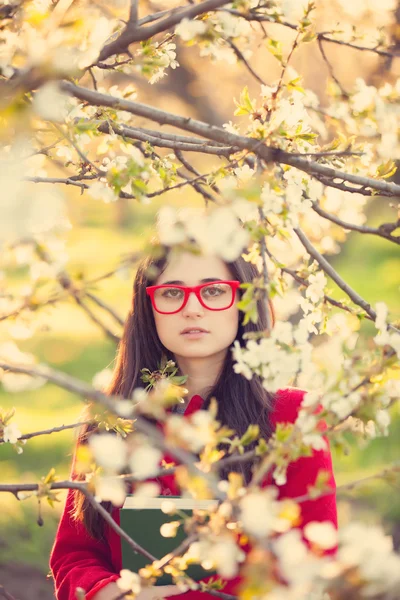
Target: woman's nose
(193,304)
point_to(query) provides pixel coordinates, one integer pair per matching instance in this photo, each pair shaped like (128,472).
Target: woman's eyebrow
(179,282)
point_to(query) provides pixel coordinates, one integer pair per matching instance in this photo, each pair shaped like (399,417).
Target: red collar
(195,404)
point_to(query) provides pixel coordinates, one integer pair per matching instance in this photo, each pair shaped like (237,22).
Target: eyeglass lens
(215,295)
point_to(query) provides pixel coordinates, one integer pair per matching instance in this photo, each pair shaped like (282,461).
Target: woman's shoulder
(287,405)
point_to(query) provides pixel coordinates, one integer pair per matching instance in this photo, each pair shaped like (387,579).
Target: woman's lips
(195,335)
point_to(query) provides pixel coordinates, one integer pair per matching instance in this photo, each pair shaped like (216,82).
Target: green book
(142,523)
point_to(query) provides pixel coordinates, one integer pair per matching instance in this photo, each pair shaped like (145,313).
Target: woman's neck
(202,373)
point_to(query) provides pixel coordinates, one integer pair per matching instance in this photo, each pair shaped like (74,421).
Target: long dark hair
(240,402)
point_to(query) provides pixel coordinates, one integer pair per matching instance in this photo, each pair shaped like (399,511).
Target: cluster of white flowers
(231,25)
(297,565)
(188,29)
(102,379)
(380,117)
(371,551)
(348,206)
(192,432)
(261,514)
(363,547)
(218,26)
(166,57)
(129,581)
(18,382)
(64,50)
(111,453)
(307,423)
(217,231)
(293,200)
(385,336)
(276,359)
(44,214)
(11,433)
(313,303)
(221,553)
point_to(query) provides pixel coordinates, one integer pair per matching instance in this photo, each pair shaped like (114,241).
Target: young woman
(201,294)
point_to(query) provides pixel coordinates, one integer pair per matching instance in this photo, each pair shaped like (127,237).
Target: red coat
(77,560)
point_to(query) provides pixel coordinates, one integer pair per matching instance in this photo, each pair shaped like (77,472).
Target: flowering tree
(289,180)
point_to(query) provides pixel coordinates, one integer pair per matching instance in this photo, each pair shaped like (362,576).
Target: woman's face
(221,325)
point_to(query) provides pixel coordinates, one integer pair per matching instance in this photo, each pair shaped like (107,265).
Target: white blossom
(382,418)
(129,581)
(195,432)
(11,433)
(110,488)
(381,310)
(223,554)
(316,287)
(145,461)
(364,97)
(260,512)
(272,201)
(168,507)
(187,29)
(169,529)
(102,379)
(217,232)
(101,191)
(50,103)
(231,25)
(324,534)
(368,548)
(109,450)
(296,564)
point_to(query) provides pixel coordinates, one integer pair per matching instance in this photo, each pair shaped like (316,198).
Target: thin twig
(263,246)
(105,307)
(242,59)
(324,36)
(28,436)
(381,231)
(114,337)
(330,271)
(130,35)
(330,69)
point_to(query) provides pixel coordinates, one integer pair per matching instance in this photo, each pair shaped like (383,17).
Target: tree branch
(115,338)
(3,591)
(168,140)
(28,436)
(242,59)
(267,153)
(68,181)
(381,231)
(131,34)
(109,403)
(330,271)
(105,307)
(252,15)
(134,14)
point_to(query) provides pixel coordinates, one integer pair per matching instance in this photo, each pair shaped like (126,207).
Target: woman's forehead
(191,269)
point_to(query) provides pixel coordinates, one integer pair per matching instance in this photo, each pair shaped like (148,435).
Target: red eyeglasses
(170,299)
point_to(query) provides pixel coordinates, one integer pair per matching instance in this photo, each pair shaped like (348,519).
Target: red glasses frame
(150,290)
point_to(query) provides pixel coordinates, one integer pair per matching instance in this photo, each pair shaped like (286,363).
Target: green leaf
(252,433)
(245,105)
(294,85)
(275,47)
(386,170)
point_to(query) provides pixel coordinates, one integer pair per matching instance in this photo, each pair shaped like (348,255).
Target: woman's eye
(172,293)
(213,291)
